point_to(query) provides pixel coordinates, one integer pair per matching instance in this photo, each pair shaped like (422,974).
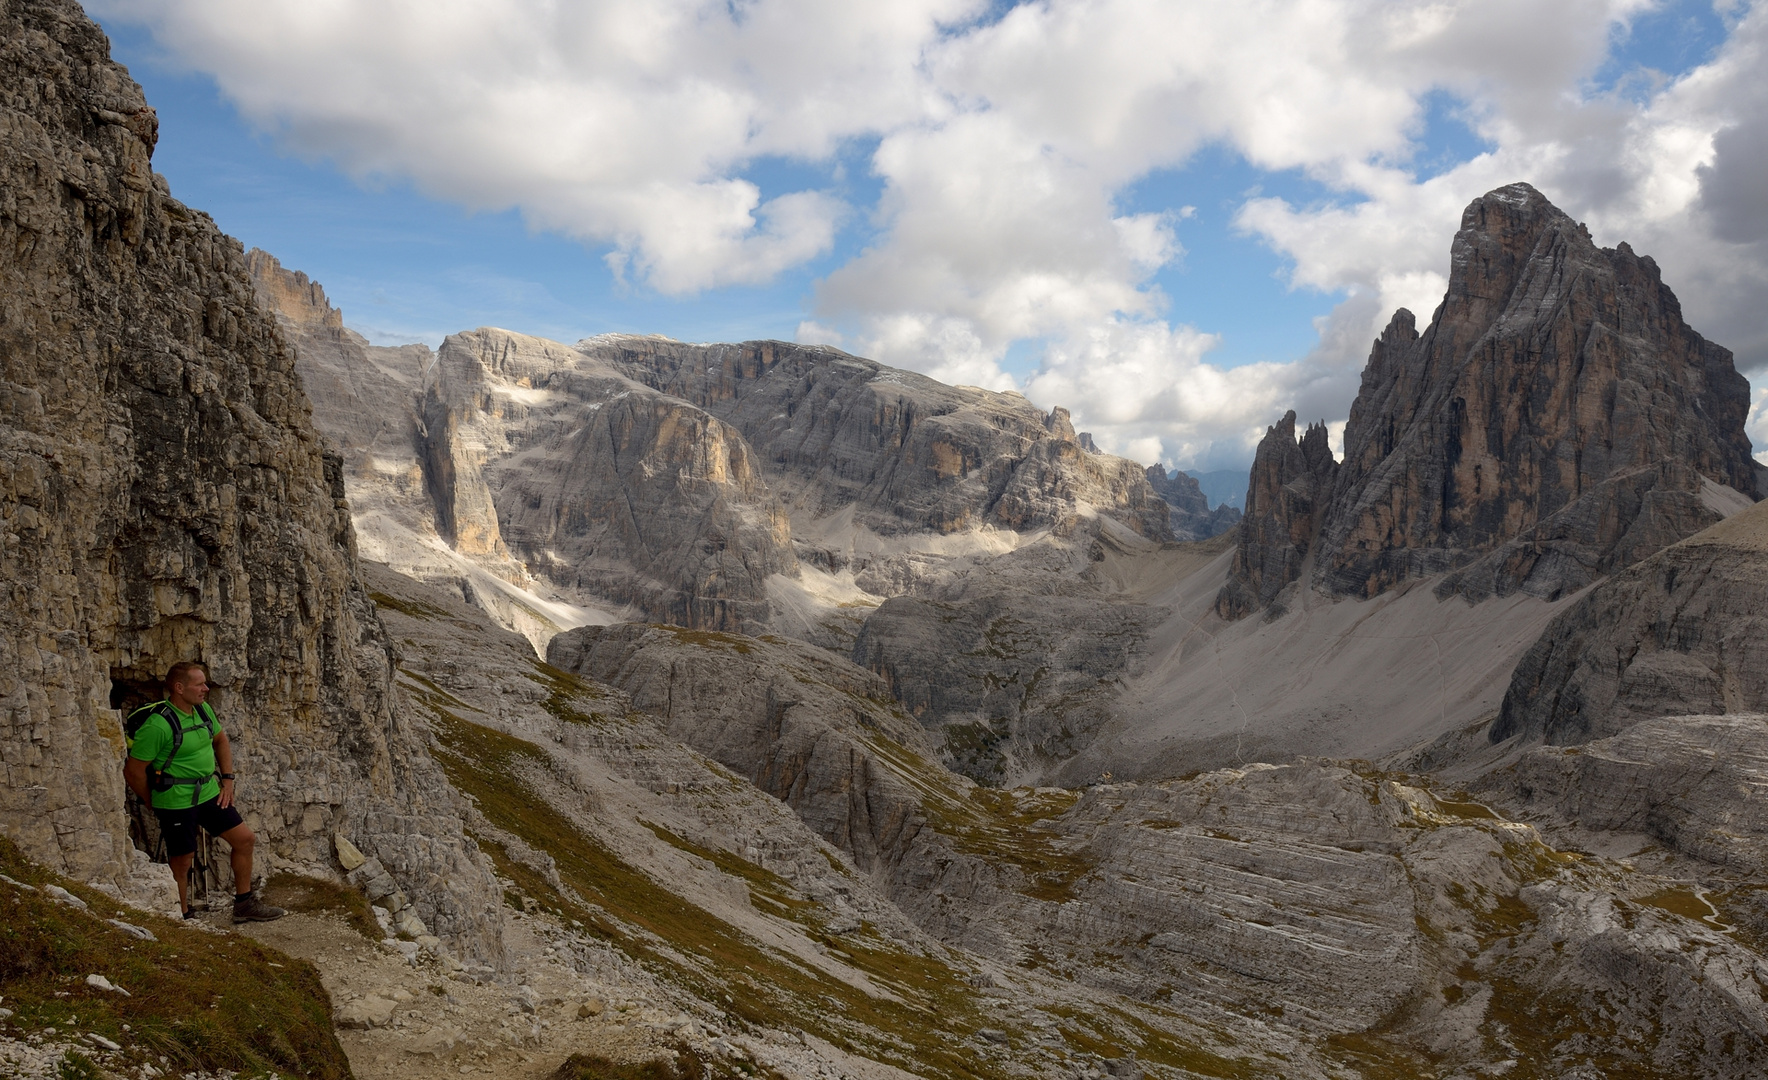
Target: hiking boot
(252,909)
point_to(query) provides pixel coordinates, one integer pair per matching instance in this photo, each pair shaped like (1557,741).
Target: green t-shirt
(196,757)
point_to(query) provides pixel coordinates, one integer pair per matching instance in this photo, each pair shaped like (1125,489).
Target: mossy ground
(924,1029)
(312,895)
(202,1000)
(994,823)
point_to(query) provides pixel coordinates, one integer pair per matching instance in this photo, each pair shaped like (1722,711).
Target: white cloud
(622,122)
(1005,149)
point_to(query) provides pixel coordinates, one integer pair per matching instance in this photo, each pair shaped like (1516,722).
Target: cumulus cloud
(623,122)
(1005,144)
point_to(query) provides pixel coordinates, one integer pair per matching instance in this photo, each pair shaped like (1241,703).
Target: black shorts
(178,827)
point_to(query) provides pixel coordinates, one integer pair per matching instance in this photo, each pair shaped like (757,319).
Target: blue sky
(1248,291)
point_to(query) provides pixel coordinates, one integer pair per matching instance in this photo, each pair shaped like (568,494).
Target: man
(178,778)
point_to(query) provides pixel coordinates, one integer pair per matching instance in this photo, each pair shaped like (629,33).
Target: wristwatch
(227,776)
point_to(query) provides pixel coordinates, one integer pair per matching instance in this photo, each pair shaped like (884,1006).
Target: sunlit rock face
(599,484)
(907,453)
(1557,420)
(166,497)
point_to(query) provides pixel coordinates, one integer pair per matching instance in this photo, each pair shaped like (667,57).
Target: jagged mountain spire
(1557,420)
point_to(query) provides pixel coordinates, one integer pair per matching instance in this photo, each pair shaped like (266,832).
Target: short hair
(176,673)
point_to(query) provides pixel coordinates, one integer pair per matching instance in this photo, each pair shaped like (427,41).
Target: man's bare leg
(242,840)
(246,907)
(180,865)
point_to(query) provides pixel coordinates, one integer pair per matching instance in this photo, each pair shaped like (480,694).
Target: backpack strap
(157,780)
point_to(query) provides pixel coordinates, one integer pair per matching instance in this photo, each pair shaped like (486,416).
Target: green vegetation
(314,895)
(413,608)
(684,1065)
(1686,903)
(925,1030)
(204,1001)
(563,691)
(996,824)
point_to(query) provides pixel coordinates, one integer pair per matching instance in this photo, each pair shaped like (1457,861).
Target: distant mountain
(1222,487)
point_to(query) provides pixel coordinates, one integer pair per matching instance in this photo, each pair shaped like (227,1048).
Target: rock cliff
(1312,896)
(1557,420)
(1684,632)
(906,453)
(599,484)
(1192,519)
(1286,493)
(166,497)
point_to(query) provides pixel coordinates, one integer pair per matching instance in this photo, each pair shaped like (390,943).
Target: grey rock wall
(1683,632)
(165,497)
(1286,496)
(906,452)
(1556,421)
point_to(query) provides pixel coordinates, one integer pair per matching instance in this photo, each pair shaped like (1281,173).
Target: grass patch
(205,1001)
(316,895)
(1684,902)
(563,691)
(768,891)
(413,608)
(1464,809)
(996,824)
(694,948)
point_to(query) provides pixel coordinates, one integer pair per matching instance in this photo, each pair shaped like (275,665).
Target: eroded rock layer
(906,452)
(1684,632)
(166,497)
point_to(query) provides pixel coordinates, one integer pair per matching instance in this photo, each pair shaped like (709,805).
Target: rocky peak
(1060,425)
(1289,484)
(906,453)
(292,295)
(1556,421)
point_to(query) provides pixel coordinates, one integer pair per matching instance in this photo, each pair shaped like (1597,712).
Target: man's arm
(224,762)
(135,775)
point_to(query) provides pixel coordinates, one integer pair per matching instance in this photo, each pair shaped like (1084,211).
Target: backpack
(157,780)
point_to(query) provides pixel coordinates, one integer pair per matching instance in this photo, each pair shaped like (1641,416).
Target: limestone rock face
(797,722)
(1285,497)
(1315,894)
(1687,782)
(1014,683)
(364,397)
(538,452)
(1555,422)
(166,497)
(1192,519)
(1684,632)
(906,452)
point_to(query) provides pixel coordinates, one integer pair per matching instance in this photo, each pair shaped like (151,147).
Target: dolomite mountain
(1556,421)
(166,497)
(690,484)
(1192,518)
(1554,872)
